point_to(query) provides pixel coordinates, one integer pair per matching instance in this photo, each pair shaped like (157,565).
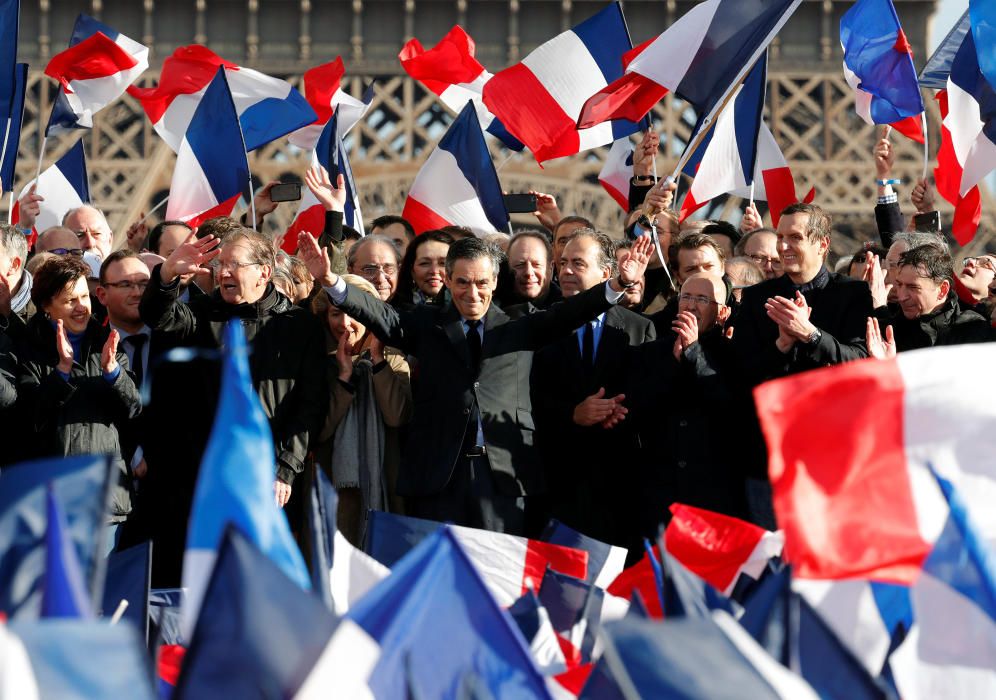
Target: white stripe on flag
(862,99)
(59,196)
(353,574)
(190,192)
(344,668)
(197,567)
(442,187)
(669,57)
(614,565)
(567,70)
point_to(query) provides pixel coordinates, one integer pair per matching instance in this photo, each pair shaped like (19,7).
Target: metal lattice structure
(810,107)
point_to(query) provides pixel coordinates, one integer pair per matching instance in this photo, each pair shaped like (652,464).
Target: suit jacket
(445,386)
(582,463)
(840,309)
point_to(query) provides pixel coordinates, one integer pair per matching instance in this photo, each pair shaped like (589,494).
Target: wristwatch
(814,337)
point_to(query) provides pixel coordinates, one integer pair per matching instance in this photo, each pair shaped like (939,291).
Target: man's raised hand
(634,263)
(885,156)
(190,257)
(28,208)
(547,212)
(879,347)
(333,198)
(316,259)
(751,220)
(874,275)
(109,354)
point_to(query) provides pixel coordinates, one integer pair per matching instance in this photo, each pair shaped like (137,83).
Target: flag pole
(507,158)
(155,208)
(41,157)
(752,193)
(10,208)
(926,146)
(252,203)
(3,151)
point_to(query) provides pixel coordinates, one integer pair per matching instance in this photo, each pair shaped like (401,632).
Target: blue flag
(63,592)
(12,136)
(82,660)
(938,67)
(82,486)
(983,16)
(258,633)
(337,163)
(129,574)
(235,484)
(605,561)
(390,537)
(323,502)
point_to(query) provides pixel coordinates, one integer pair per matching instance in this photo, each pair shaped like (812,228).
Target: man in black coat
(578,383)
(470,456)
(808,317)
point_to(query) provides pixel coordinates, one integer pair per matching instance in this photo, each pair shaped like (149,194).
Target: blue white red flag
(617,171)
(64,591)
(268,108)
(458,185)
(938,67)
(235,484)
(211,170)
(64,186)
(700,58)
(95,70)
(450,71)
(323,91)
(983,20)
(878,65)
(605,561)
(539,99)
(12,133)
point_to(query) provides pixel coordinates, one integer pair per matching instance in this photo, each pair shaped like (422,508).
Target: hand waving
(879,347)
(64,348)
(874,275)
(316,259)
(332,198)
(109,355)
(547,212)
(634,264)
(190,257)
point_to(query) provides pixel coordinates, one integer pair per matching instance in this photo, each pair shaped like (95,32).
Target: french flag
(450,71)
(971,124)
(740,152)
(323,91)
(268,108)
(211,170)
(64,186)
(458,185)
(878,65)
(540,98)
(12,133)
(95,70)
(617,171)
(330,153)
(699,58)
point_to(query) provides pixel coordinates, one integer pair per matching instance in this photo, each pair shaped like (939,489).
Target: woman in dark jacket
(73,380)
(423,270)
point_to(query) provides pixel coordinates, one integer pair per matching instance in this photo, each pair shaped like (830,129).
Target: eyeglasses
(230,266)
(697,299)
(128,285)
(67,251)
(983,261)
(762,261)
(369,271)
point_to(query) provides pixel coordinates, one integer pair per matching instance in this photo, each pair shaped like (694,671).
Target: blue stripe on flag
(215,139)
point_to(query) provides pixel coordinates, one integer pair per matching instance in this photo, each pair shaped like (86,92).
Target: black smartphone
(928,221)
(286,192)
(520,203)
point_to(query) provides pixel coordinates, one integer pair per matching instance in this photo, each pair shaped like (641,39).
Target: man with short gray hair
(376,259)
(15,281)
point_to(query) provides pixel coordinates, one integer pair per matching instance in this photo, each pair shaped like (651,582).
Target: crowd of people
(497,382)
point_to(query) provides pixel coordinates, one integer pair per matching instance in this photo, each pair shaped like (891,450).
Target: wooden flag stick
(41,157)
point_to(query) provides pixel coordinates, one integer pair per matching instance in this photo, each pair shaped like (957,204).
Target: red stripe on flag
(529,112)
(837,464)
(711,545)
(223,209)
(636,51)
(572,655)
(639,578)
(187,71)
(629,97)
(621,199)
(320,84)
(573,680)
(779,188)
(689,206)
(910,127)
(563,560)
(311,220)
(421,217)
(170,661)
(967,214)
(95,57)
(947,176)
(449,62)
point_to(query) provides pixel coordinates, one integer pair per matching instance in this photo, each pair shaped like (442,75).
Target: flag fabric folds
(258,633)
(878,65)
(64,185)
(700,58)
(329,153)
(323,91)
(508,564)
(82,486)
(947,177)
(10,12)
(605,561)
(938,67)
(235,484)
(95,70)
(450,71)
(835,496)
(129,575)
(533,621)
(539,99)
(211,170)
(268,108)
(428,630)
(12,133)
(64,592)
(353,574)
(617,171)
(74,660)
(458,185)
(983,21)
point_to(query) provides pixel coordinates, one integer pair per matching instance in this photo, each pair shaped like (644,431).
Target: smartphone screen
(520,203)
(286,192)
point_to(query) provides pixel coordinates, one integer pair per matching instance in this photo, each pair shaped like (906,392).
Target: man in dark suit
(808,317)
(470,456)
(578,383)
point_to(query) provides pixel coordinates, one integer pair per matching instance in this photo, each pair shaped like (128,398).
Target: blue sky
(948,12)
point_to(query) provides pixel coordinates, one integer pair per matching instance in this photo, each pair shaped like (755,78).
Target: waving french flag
(458,184)
(268,108)
(699,58)
(12,132)
(540,98)
(741,151)
(878,65)
(95,70)
(617,171)
(330,153)
(323,91)
(970,123)
(64,186)
(451,72)
(212,170)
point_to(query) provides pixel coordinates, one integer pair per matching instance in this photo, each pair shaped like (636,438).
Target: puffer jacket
(83,415)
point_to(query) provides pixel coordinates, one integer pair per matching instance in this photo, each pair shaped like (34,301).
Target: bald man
(690,440)
(59,240)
